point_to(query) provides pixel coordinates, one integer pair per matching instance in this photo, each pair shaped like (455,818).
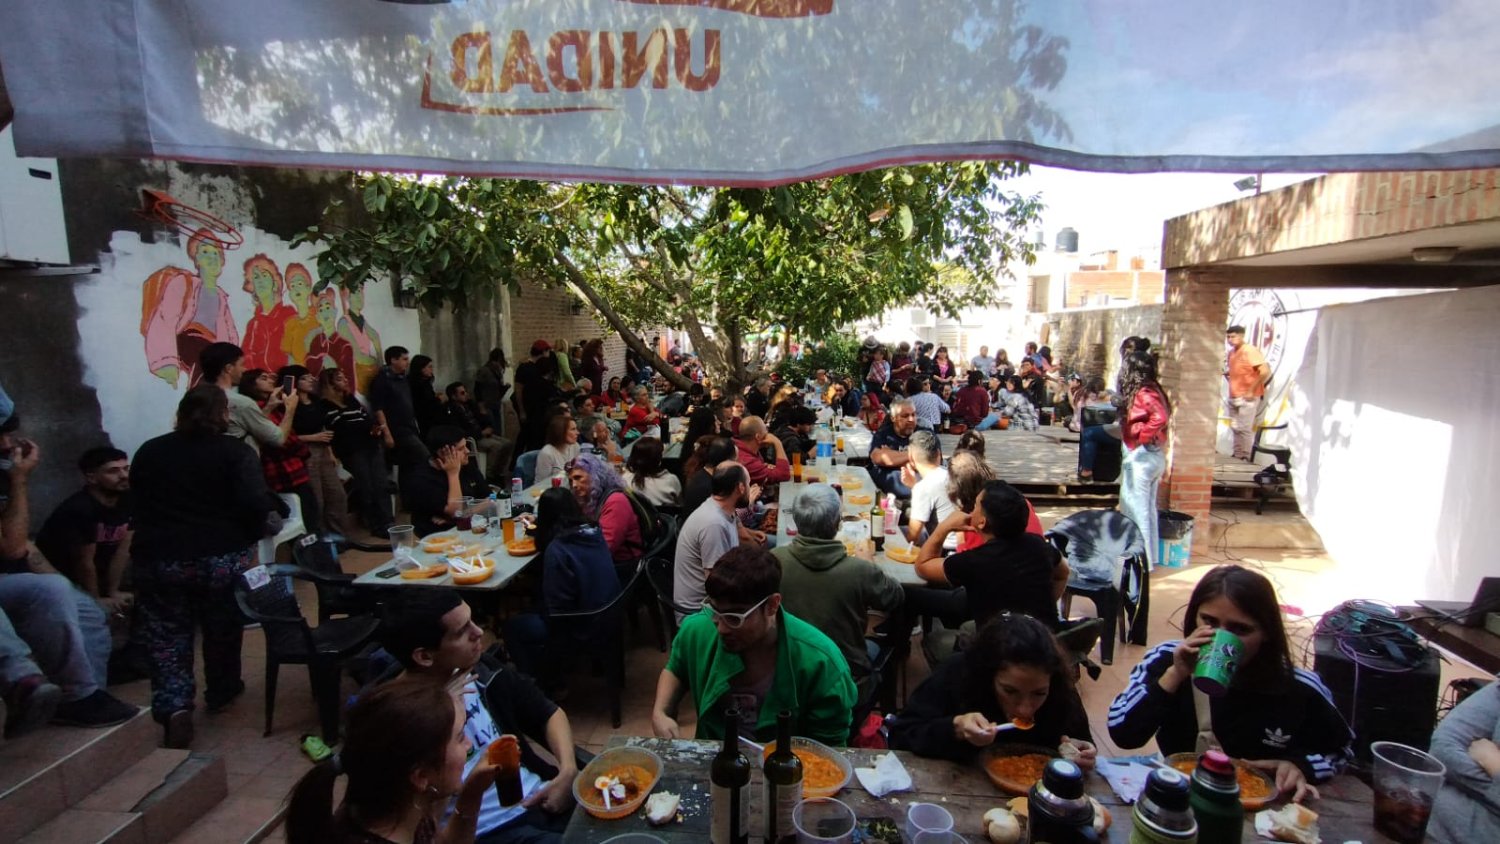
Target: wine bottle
(783,772)
(877,526)
(729,779)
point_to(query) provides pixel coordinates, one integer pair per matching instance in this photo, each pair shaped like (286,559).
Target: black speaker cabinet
(1380,704)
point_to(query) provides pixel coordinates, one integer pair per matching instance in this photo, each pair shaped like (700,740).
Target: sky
(1125,211)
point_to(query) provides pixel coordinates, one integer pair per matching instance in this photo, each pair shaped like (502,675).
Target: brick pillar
(1192,359)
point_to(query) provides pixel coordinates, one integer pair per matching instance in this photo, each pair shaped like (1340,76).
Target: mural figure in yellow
(182,311)
(303,322)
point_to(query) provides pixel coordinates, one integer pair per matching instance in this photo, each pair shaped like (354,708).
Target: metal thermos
(1057,810)
(1215,798)
(1162,814)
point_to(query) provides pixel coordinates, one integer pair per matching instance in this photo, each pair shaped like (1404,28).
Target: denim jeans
(16,663)
(65,630)
(988,422)
(1090,440)
(1140,476)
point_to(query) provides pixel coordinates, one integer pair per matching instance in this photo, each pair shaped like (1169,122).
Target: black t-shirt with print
(81,520)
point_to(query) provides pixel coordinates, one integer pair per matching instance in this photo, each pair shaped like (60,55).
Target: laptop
(1471,614)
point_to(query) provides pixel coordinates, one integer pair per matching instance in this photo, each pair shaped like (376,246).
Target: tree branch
(580,285)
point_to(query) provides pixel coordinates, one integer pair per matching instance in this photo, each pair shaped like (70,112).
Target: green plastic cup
(1217,662)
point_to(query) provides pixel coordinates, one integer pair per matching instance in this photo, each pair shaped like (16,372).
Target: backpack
(646,516)
(155,287)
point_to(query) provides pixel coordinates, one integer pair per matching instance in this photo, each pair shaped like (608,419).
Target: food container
(809,747)
(1014,781)
(479,575)
(614,759)
(521,547)
(425,572)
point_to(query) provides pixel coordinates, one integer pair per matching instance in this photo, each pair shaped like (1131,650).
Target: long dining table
(1345,811)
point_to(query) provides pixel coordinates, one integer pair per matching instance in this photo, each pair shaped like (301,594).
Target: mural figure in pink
(327,349)
(183,311)
(362,336)
(263,333)
(303,323)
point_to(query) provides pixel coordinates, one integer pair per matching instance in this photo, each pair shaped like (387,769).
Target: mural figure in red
(182,311)
(263,333)
(326,349)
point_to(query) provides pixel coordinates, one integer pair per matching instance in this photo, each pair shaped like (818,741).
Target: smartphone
(388,573)
(288,385)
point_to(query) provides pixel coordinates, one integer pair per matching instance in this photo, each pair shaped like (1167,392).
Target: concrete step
(56,768)
(77,826)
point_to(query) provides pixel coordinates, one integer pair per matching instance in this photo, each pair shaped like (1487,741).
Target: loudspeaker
(1379,703)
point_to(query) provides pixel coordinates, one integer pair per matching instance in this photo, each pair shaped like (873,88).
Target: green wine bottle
(729,779)
(783,772)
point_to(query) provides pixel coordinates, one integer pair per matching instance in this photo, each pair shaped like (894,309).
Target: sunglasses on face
(733,620)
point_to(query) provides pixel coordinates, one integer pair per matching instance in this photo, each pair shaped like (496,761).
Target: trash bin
(1176,539)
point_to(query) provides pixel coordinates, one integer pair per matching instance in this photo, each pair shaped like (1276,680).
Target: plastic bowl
(521,547)
(614,758)
(818,748)
(480,576)
(1004,782)
(425,572)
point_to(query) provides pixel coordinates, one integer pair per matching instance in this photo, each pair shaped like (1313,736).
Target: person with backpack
(183,312)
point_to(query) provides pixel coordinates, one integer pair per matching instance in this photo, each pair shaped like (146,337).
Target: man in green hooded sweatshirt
(842,596)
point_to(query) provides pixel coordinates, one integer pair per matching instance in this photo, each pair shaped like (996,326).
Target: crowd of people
(153,544)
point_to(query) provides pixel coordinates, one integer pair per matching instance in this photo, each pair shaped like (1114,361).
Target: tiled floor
(262,770)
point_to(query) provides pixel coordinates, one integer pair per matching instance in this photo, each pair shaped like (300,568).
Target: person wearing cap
(54,644)
(435,491)
(536,388)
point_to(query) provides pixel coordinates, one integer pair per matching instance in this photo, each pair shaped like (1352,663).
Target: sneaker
(30,704)
(179,730)
(219,703)
(100,709)
(315,748)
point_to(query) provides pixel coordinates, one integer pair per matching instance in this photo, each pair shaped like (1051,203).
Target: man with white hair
(888,449)
(822,584)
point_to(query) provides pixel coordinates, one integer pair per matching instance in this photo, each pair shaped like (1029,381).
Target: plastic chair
(660,573)
(603,626)
(289,640)
(526,467)
(336,593)
(1106,592)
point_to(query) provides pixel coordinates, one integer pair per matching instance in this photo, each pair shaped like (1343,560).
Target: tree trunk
(581,286)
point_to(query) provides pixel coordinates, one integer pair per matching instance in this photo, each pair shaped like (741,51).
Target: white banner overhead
(758,92)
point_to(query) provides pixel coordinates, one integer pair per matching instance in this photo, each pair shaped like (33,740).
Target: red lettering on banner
(606,60)
(684,60)
(578,40)
(758,8)
(520,65)
(636,59)
(484,79)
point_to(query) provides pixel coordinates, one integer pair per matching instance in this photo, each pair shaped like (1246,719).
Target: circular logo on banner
(1261,313)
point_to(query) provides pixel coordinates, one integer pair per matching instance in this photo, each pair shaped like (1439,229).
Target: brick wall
(1331,209)
(1141,287)
(538,313)
(1088,341)
(1192,349)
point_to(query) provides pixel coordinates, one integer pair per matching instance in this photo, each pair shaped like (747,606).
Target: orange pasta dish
(1022,771)
(1253,785)
(819,773)
(634,778)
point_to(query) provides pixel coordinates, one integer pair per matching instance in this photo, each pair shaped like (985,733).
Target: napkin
(1126,777)
(887,776)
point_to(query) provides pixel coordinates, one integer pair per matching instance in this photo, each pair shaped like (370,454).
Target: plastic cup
(634,838)
(927,817)
(461,517)
(823,820)
(1217,662)
(1406,782)
(950,837)
(403,543)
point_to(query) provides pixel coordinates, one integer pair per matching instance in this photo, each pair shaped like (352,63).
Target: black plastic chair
(337,594)
(289,640)
(601,628)
(661,573)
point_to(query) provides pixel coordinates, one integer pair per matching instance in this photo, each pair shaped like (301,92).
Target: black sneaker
(221,702)
(30,704)
(100,709)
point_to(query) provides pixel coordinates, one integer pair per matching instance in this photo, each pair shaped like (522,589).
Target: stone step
(56,768)
(149,803)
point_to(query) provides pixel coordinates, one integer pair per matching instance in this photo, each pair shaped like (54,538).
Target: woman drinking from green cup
(1267,711)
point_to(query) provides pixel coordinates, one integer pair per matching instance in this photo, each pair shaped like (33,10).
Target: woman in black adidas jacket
(1275,716)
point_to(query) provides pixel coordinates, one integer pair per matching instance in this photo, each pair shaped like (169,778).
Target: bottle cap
(1168,789)
(1064,779)
(1216,761)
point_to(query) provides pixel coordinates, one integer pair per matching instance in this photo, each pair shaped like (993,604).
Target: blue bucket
(1174,546)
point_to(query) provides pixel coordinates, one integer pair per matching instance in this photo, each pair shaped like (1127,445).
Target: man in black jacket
(433,634)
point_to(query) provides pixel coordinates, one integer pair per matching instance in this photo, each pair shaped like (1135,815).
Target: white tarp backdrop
(1395,443)
(757,92)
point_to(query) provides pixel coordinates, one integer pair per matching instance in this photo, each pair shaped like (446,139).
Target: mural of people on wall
(303,322)
(182,311)
(263,333)
(362,336)
(326,349)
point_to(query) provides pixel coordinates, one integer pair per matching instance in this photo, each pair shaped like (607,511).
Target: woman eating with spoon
(1010,685)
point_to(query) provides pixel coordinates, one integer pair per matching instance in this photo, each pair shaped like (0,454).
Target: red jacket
(760,471)
(972,404)
(1145,421)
